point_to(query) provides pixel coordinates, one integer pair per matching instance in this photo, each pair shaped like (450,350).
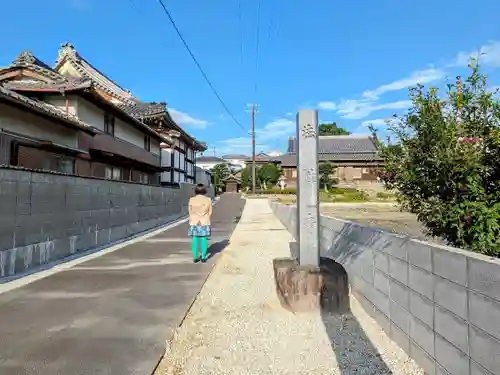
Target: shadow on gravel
(354,351)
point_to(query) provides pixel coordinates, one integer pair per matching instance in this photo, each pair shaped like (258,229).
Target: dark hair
(200,189)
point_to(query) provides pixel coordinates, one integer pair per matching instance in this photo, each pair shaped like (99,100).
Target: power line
(198,65)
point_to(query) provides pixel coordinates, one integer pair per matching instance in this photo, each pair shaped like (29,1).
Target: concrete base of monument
(307,288)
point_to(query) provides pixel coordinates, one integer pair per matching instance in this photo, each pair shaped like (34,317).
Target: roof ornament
(67,49)
(25,57)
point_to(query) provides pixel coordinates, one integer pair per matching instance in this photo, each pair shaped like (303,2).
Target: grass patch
(385,196)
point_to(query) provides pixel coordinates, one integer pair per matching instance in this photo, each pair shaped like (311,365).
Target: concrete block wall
(45,217)
(440,304)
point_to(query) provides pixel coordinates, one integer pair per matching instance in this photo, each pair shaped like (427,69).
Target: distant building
(203,176)
(236,161)
(355,158)
(208,162)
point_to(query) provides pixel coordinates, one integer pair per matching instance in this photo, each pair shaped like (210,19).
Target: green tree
(332,129)
(326,172)
(268,175)
(219,174)
(246,177)
(446,169)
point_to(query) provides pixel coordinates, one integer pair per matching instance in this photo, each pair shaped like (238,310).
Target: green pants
(204,245)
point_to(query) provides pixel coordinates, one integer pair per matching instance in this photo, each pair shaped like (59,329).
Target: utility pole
(253,148)
(213,147)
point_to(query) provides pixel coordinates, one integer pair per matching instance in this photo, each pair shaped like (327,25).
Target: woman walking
(200,211)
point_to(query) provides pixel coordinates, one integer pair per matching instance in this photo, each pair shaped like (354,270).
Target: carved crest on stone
(308,131)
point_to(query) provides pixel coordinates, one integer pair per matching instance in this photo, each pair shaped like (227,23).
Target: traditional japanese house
(178,159)
(122,148)
(37,135)
(354,157)
(134,140)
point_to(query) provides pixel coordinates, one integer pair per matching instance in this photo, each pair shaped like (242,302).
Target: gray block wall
(440,304)
(45,217)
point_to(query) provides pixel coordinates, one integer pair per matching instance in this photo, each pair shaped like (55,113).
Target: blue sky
(353,60)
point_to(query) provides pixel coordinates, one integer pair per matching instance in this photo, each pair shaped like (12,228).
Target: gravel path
(237,326)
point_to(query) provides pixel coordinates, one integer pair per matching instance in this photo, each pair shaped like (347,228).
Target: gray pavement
(112,314)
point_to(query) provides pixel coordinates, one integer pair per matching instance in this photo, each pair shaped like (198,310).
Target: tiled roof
(342,144)
(209,159)
(67,85)
(129,104)
(26,59)
(290,160)
(235,156)
(142,110)
(43,108)
(86,69)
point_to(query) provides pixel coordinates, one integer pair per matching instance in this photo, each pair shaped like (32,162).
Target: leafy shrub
(445,166)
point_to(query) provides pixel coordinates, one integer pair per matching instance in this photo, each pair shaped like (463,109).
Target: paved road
(112,314)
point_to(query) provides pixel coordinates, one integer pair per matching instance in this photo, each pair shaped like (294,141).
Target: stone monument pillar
(309,282)
(307,191)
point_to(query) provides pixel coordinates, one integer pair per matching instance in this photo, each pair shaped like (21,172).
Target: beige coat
(200,210)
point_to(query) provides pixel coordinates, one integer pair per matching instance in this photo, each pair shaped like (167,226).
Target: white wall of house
(155,146)
(236,163)
(32,126)
(60,102)
(166,158)
(89,113)
(203,176)
(93,115)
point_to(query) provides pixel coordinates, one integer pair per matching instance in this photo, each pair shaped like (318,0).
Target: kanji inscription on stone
(310,221)
(310,175)
(307,192)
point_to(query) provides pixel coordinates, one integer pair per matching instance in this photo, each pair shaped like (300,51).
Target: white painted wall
(128,133)
(59,101)
(93,115)
(90,113)
(155,146)
(202,176)
(166,158)
(33,126)
(238,163)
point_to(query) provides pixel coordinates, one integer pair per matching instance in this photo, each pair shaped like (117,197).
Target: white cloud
(358,109)
(375,122)
(276,129)
(239,145)
(421,76)
(369,103)
(183,119)
(488,54)
(264,136)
